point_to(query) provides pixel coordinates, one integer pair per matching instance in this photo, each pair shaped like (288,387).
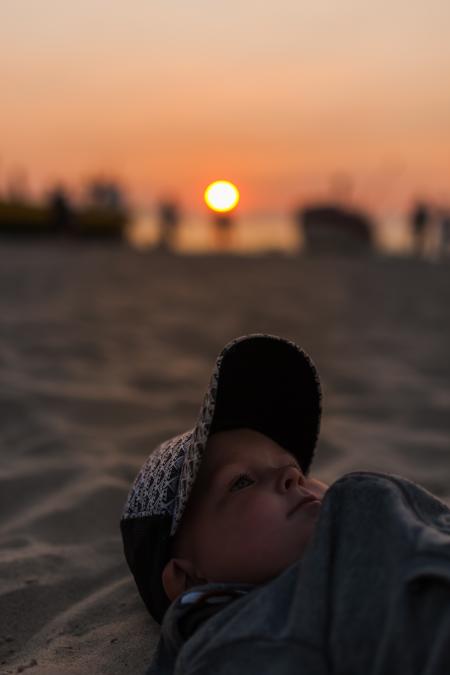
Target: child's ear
(178,575)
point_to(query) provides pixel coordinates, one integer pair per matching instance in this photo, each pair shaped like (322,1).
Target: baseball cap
(260,382)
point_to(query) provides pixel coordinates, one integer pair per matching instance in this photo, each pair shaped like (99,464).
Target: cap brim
(272,386)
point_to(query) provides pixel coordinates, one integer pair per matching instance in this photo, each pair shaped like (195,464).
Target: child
(264,569)
(232,533)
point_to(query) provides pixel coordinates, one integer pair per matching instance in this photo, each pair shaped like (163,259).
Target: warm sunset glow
(312,98)
(221,196)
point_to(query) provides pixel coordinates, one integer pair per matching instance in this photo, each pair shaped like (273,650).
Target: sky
(293,101)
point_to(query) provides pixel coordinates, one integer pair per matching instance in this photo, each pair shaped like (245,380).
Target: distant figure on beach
(445,233)
(168,219)
(61,213)
(420,219)
(223,224)
(106,194)
(252,565)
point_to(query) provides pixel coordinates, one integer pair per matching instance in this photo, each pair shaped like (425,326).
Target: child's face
(243,522)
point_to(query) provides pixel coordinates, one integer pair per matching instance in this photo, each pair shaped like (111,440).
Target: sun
(221,196)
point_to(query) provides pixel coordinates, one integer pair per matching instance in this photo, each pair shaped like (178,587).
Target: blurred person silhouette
(105,194)
(223,230)
(168,219)
(444,243)
(420,220)
(61,212)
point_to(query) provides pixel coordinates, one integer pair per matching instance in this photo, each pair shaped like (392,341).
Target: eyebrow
(220,469)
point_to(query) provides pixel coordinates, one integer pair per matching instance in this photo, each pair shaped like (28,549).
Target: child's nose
(290,477)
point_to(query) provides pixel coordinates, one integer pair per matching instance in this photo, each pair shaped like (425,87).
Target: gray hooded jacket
(371,595)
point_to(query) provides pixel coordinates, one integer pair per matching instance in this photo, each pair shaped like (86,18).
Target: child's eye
(239,480)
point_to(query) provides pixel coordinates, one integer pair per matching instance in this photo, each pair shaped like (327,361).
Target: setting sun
(221,196)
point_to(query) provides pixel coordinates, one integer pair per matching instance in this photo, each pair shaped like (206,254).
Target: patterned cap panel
(154,491)
(195,452)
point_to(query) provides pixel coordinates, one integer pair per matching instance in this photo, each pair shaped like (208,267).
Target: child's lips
(305,500)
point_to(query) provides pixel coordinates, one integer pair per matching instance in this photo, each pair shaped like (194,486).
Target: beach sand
(106,351)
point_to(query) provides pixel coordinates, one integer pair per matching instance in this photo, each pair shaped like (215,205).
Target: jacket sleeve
(254,657)
(417,633)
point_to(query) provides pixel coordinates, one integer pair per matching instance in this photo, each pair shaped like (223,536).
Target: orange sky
(167,96)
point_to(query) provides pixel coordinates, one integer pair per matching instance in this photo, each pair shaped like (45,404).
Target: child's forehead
(241,447)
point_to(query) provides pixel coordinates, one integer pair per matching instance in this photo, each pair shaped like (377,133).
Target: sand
(106,351)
